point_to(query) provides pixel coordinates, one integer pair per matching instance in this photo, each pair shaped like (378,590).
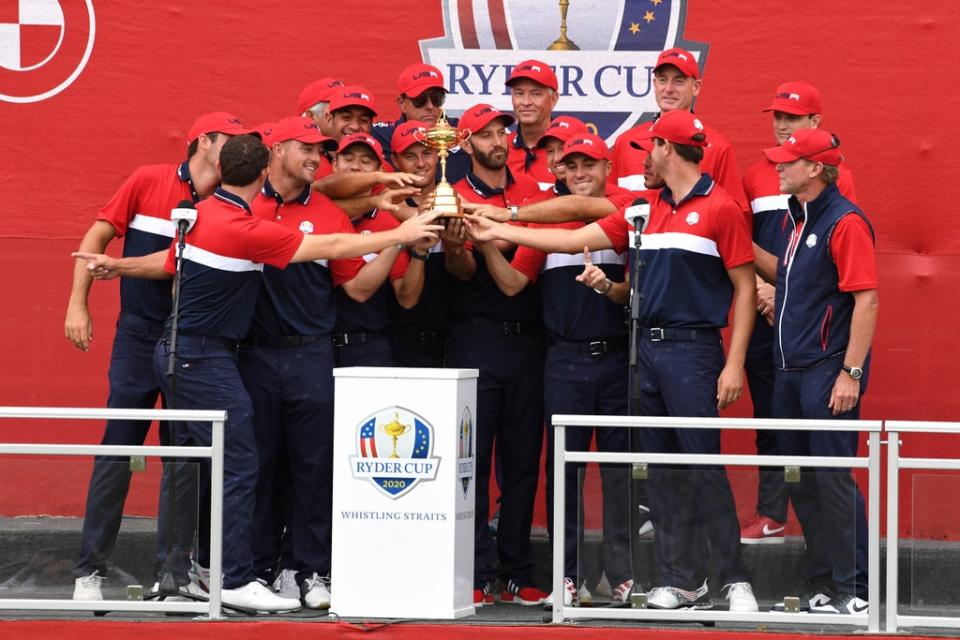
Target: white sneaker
(571,595)
(286,584)
(88,587)
(741,598)
(844,604)
(199,577)
(673,598)
(646,522)
(623,591)
(315,592)
(255,596)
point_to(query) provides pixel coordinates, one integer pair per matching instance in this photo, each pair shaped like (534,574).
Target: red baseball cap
(407,134)
(643,140)
(417,78)
(681,127)
(681,59)
(218,121)
(539,72)
(562,128)
(300,129)
(319,91)
(265,130)
(817,145)
(352,95)
(361,138)
(588,144)
(480,115)
(798,98)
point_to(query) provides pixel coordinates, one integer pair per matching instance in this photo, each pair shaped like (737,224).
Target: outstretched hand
(100,266)
(419,228)
(480,229)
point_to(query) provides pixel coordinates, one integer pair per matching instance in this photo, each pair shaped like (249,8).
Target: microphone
(185,216)
(638,214)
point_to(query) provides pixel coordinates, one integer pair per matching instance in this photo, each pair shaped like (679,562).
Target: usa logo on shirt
(693,218)
(607,81)
(306,227)
(811,241)
(44,46)
(394,451)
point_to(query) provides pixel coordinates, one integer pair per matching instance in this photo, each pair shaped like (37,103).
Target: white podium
(403,492)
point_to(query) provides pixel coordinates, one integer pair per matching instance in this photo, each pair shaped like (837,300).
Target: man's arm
(103,267)
(548,240)
(863,324)
(349,245)
(387,200)
(459,262)
(765,264)
(510,281)
(78,325)
(408,288)
(569,208)
(348,185)
(730,382)
(371,276)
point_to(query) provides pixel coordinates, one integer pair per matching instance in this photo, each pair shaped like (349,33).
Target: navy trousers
(771,492)
(132,386)
(828,501)
(208,378)
(510,413)
(692,507)
(375,352)
(416,346)
(576,382)
(292,394)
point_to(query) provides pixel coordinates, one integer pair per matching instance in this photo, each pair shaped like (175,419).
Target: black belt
(281,342)
(507,328)
(596,347)
(341,339)
(439,334)
(229,344)
(662,334)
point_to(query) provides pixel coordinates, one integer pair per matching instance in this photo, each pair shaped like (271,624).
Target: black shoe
(845,604)
(813,597)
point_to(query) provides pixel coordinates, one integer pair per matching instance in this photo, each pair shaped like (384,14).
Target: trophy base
(446,201)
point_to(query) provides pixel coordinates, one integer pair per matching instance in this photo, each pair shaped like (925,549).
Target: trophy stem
(394,454)
(443,165)
(563,43)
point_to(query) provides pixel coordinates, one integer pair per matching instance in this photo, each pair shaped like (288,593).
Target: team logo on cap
(698,124)
(306,227)
(426,74)
(607,83)
(465,451)
(394,451)
(44,47)
(811,240)
(693,218)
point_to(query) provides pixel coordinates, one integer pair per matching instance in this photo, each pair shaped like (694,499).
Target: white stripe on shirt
(605,256)
(676,240)
(769,203)
(216,261)
(150,224)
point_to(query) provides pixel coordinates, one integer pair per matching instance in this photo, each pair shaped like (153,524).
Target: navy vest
(813,315)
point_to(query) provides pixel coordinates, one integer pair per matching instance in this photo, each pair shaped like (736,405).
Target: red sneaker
(482,595)
(762,530)
(527,595)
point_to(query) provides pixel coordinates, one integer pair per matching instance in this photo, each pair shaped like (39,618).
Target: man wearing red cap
(360,333)
(351,110)
(533,90)
(795,106)
(140,213)
(313,103)
(698,256)
(502,337)
(585,362)
(223,258)
(826,315)
(676,83)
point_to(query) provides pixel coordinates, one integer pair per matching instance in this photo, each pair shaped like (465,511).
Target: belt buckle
(656,334)
(597,348)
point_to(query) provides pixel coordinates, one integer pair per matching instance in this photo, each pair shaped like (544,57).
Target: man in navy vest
(826,314)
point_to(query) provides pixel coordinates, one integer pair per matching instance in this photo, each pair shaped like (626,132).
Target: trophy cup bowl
(444,137)
(395,429)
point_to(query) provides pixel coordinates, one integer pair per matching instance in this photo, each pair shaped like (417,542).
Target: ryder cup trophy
(443,137)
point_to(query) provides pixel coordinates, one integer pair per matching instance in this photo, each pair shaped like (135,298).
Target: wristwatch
(604,292)
(514,213)
(414,255)
(855,372)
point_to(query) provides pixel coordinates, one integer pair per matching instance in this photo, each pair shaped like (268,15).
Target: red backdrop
(884,68)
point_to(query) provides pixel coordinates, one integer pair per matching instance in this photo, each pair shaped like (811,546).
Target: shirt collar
(232,199)
(530,155)
(303,197)
(183,173)
(369,214)
(703,187)
(484,190)
(560,188)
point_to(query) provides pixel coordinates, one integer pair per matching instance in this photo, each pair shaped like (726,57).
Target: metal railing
(213,452)
(871,463)
(895,464)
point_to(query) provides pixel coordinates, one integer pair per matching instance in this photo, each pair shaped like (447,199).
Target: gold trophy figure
(395,429)
(563,43)
(444,137)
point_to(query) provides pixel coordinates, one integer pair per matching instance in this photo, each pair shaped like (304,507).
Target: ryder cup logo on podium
(465,451)
(394,451)
(602,52)
(44,46)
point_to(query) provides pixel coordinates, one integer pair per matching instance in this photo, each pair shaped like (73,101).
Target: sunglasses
(436,98)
